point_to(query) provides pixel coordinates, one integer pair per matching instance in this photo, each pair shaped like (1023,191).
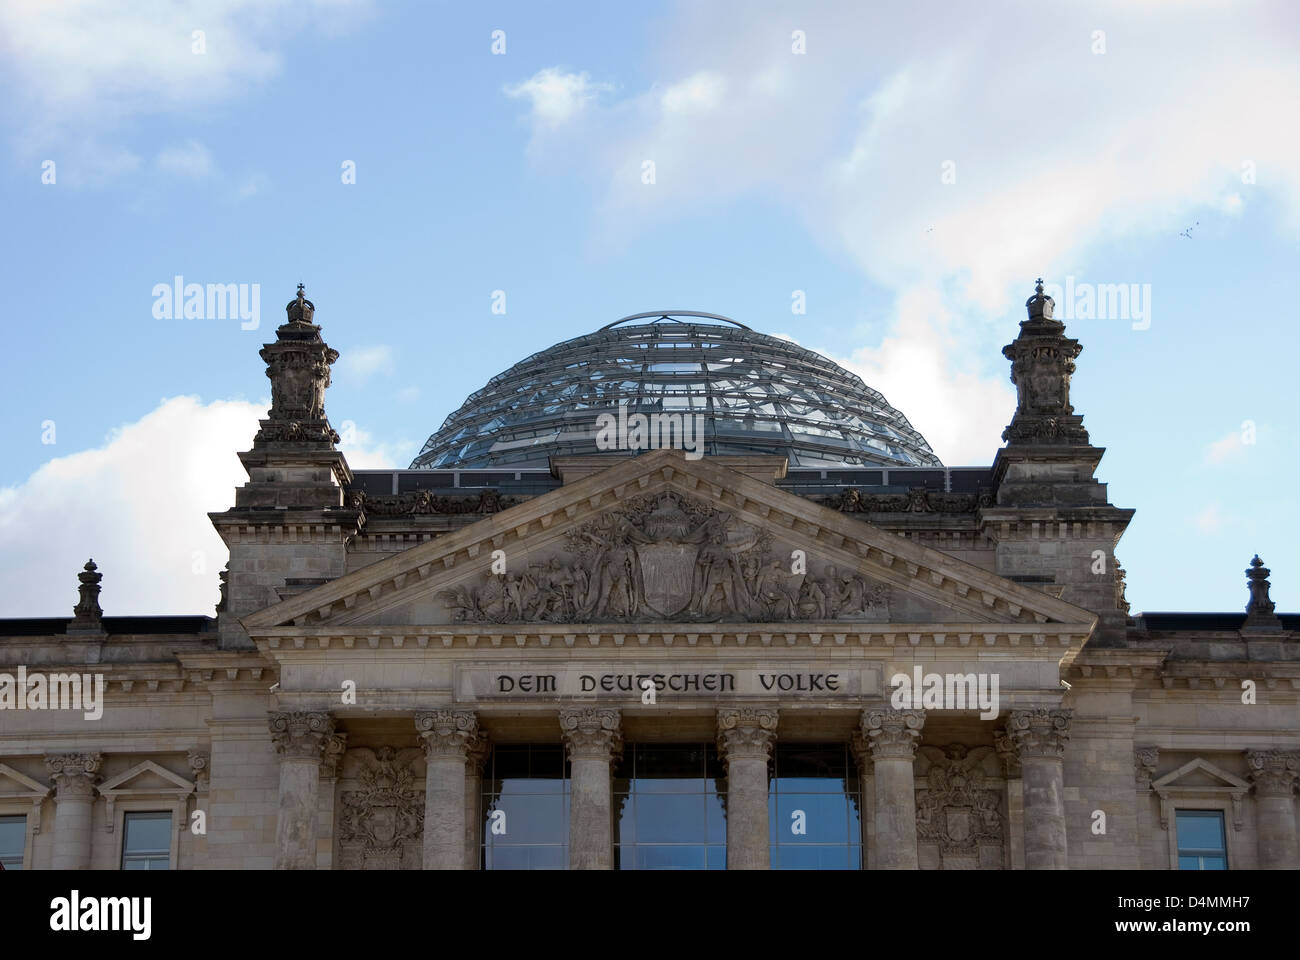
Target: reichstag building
(674,594)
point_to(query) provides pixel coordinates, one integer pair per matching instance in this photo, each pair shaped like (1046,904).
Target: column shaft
(74,776)
(1274,773)
(300,738)
(745,739)
(447,736)
(594,740)
(893,736)
(1039,736)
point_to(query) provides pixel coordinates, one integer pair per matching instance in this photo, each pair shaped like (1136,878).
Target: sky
(905,171)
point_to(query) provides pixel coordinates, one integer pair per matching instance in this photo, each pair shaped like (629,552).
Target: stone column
(74,776)
(893,736)
(861,748)
(1145,761)
(1014,853)
(1274,774)
(475,758)
(300,738)
(447,735)
(593,738)
(745,739)
(1039,736)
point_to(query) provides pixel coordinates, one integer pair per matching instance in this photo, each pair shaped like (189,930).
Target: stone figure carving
(957,806)
(378,820)
(666,558)
(422,503)
(916,500)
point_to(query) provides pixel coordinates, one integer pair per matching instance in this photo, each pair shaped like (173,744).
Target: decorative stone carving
(1039,733)
(199,762)
(87,614)
(447,733)
(298,365)
(424,503)
(1273,772)
(958,807)
(74,774)
(1145,760)
(335,746)
(382,821)
(892,734)
(1042,362)
(666,558)
(301,734)
(1121,599)
(747,732)
(1007,753)
(916,500)
(1260,608)
(592,732)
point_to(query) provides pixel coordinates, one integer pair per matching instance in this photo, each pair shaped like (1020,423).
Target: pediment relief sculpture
(667,557)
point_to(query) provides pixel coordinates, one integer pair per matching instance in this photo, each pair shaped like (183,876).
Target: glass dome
(756,394)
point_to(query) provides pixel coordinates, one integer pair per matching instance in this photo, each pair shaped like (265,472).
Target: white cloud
(1055,150)
(78,65)
(697,94)
(362,363)
(191,160)
(556,96)
(1209,519)
(138,505)
(1226,447)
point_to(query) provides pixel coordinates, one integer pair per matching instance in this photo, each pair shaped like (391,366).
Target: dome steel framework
(756,394)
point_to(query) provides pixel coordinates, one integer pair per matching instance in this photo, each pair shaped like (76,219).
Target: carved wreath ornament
(667,558)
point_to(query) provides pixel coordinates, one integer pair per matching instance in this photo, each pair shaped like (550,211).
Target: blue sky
(1068,154)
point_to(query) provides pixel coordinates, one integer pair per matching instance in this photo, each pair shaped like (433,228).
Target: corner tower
(1052,522)
(288,529)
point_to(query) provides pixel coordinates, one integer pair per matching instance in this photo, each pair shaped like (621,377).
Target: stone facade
(370,650)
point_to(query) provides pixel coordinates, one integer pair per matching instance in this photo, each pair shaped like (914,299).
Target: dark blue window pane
(814,788)
(671,815)
(1201,841)
(529,785)
(670,857)
(13,839)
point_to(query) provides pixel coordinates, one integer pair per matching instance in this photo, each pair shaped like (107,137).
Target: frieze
(667,558)
(916,500)
(424,503)
(635,681)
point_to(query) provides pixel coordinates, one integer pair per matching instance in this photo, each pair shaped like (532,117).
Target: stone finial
(1260,608)
(298,366)
(87,614)
(1040,305)
(1042,362)
(300,310)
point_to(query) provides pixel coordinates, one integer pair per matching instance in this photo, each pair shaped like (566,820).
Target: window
(526,809)
(668,808)
(813,808)
(13,838)
(146,843)
(1201,841)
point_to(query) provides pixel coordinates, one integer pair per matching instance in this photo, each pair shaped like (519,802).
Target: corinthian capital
(592,733)
(892,734)
(1040,733)
(1274,772)
(746,732)
(301,734)
(447,733)
(74,774)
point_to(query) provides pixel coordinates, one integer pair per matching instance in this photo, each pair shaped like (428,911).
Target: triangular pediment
(1199,774)
(661,538)
(16,784)
(146,777)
